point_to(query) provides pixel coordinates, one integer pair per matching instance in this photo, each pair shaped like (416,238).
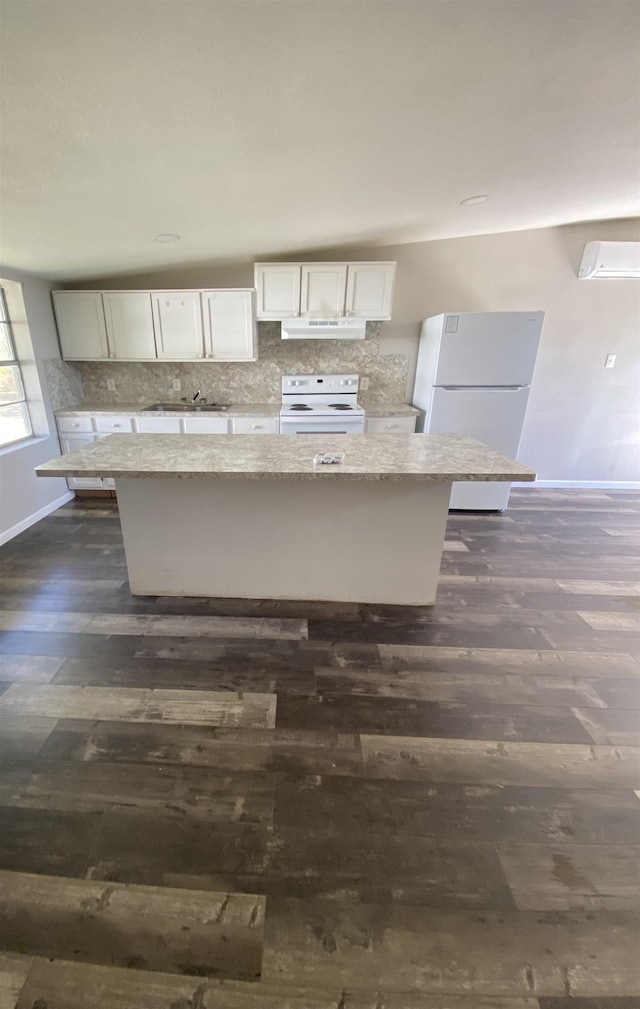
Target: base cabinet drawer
(71,443)
(256,425)
(75,425)
(159,425)
(114,424)
(206,425)
(390,425)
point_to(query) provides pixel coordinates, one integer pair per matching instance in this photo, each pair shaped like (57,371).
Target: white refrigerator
(473,377)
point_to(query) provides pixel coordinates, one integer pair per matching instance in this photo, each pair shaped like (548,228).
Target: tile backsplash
(255,382)
(64,382)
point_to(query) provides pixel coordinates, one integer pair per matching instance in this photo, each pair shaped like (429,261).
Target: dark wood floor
(214,803)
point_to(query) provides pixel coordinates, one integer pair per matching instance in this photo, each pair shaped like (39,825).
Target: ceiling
(257,128)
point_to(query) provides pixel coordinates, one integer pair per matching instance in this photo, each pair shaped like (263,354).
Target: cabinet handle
(256,427)
(390,427)
(75,424)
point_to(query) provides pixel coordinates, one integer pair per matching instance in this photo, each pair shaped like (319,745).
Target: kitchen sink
(186,407)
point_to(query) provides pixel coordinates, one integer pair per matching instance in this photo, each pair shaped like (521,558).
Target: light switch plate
(111,385)
(610,361)
(364,383)
(177,385)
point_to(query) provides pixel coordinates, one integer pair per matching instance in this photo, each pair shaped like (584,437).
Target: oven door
(321,425)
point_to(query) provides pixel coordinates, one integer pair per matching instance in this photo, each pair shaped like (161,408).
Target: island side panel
(339,540)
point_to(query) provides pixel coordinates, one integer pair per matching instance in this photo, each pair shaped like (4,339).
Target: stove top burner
(300,406)
(340,406)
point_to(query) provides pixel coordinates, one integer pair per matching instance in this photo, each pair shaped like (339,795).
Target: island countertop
(411,457)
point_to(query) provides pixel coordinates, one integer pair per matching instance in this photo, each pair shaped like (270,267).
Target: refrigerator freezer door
(488,348)
(493,416)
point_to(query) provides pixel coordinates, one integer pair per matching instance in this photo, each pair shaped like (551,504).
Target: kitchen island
(254,517)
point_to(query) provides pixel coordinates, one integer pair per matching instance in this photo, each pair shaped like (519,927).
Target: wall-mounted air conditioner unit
(610,259)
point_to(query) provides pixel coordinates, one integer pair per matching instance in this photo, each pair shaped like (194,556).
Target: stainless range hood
(323,329)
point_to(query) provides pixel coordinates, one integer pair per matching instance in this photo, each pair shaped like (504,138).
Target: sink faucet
(196,396)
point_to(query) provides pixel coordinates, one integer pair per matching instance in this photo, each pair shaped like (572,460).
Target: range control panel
(319,383)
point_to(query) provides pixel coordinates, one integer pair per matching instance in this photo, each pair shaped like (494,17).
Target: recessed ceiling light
(166,238)
(472,200)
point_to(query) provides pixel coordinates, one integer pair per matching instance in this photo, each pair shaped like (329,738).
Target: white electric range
(320,404)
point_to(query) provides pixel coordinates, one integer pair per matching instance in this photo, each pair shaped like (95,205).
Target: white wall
(582,422)
(24,498)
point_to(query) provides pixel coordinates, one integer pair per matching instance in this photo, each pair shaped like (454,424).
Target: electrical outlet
(177,385)
(111,385)
(610,361)
(364,383)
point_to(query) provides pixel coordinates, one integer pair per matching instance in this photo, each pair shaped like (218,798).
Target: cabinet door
(370,290)
(390,425)
(129,325)
(70,443)
(178,322)
(323,289)
(278,290)
(229,326)
(81,325)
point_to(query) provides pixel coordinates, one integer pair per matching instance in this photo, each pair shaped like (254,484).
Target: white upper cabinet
(278,290)
(369,290)
(129,325)
(229,326)
(81,325)
(177,316)
(322,290)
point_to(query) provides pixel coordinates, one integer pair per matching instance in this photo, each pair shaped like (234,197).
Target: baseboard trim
(584,484)
(31,520)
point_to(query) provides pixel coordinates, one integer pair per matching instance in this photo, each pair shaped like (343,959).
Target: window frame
(13,362)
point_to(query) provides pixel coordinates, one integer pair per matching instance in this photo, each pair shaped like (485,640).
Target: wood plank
(400,716)
(14,968)
(614,726)
(526,661)
(180,931)
(457,812)
(611,621)
(29,668)
(603,877)
(166,626)
(480,762)
(483,688)
(191,707)
(64,985)
(231,750)
(23,736)
(133,789)
(432,951)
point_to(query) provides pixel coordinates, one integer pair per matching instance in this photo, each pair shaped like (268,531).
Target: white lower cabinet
(113,424)
(256,425)
(159,425)
(390,425)
(206,425)
(71,443)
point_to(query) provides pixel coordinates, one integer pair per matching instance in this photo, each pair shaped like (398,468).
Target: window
(15,422)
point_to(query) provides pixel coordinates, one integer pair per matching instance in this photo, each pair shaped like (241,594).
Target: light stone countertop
(235,410)
(415,457)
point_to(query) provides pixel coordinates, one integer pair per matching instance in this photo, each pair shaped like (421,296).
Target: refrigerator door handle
(482,388)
